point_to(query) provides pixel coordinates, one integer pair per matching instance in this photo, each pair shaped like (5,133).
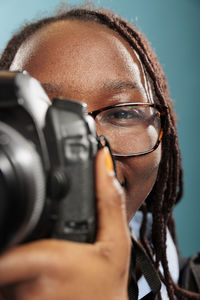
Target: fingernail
(108,161)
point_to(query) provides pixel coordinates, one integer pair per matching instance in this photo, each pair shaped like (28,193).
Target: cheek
(147,165)
(140,174)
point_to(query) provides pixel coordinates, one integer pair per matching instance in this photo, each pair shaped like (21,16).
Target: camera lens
(22,187)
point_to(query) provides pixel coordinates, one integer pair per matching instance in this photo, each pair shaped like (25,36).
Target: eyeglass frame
(163,110)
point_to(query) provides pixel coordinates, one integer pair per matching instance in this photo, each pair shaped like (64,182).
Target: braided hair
(167,190)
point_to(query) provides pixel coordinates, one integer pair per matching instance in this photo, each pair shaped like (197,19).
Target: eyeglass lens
(130,129)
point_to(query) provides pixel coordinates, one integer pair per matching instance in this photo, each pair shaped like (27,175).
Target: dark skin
(90,63)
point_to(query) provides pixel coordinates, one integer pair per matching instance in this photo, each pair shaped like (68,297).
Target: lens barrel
(22,187)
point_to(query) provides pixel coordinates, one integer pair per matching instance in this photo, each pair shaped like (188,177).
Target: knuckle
(105,251)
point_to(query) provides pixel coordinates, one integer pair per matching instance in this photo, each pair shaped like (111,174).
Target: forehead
(83,53)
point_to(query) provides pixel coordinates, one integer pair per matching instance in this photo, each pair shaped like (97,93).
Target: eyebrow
(118,85)
(51,88)
(109,86)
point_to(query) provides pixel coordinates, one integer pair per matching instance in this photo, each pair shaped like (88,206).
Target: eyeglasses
(132,129)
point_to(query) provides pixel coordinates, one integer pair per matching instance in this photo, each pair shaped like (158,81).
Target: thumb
(112,221)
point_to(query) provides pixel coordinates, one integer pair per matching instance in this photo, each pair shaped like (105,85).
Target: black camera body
(47,153)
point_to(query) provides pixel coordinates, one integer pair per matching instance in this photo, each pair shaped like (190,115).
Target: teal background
(173,27)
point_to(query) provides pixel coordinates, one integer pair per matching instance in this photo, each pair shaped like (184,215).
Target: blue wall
(173,27)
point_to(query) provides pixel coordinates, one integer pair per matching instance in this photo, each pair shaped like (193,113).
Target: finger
(28,261)
(112,221)
(19,263)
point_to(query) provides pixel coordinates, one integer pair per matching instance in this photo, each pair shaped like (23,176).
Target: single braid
(143,237)
(169,286)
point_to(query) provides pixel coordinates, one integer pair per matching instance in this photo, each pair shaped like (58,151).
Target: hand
(64,270)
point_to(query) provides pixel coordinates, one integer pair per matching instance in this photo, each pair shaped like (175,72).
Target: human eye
(123,116)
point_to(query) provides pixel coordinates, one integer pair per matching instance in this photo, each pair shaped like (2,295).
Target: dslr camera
(47,153)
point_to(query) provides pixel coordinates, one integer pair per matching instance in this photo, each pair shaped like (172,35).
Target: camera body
(47,153)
